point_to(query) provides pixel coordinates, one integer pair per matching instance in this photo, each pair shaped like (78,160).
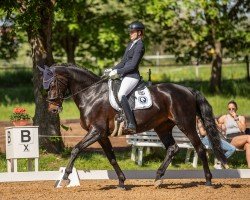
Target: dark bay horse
(172,105)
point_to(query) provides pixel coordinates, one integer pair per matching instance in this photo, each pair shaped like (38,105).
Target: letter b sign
(25,136)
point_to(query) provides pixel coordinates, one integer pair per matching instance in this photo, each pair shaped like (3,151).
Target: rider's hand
(113,74)
(107,71)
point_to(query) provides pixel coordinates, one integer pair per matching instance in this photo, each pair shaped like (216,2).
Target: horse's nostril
(54,111)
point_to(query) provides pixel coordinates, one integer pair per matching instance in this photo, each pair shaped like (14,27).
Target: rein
(102,79)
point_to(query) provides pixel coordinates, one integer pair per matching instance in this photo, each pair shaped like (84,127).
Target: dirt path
(236,189)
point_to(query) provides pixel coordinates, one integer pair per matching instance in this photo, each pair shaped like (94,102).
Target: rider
(127,69)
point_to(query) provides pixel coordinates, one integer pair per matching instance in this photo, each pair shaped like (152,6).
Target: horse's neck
(83,85)
(93,93)
(80,79)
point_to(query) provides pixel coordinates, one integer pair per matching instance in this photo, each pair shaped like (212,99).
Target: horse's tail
(205,112)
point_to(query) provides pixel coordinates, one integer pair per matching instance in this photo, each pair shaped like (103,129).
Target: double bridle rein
(58,79)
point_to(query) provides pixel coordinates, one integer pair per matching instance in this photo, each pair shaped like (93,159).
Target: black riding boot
(131,125)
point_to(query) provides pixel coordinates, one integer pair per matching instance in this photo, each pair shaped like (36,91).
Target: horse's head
(56,85)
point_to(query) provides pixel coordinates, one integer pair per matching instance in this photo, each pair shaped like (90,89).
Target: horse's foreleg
(108,149)
(165,134)
(89,139)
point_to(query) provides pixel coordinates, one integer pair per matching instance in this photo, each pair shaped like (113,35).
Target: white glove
(113,74)
(107,71)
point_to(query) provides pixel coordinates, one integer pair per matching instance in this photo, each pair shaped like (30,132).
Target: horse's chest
(83,124)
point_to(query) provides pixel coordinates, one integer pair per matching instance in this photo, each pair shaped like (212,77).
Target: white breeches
(127,85)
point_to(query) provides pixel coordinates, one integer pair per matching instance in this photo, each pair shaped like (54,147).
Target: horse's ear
(40,68)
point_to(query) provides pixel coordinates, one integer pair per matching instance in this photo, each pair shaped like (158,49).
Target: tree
(36,17)
(191,28)
(225,20)
(8,41)
(92,30)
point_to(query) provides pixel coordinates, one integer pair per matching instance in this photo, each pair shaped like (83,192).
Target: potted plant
(20,117)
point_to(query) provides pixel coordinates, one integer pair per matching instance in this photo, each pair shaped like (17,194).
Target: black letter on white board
(9,138)
(25,136)
(26,147)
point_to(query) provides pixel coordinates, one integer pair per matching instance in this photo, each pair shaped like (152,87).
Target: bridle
(58,79)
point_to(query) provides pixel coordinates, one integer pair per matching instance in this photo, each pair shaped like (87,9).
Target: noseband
(58,80)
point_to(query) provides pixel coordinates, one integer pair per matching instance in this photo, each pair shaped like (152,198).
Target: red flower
(19,113)
(19,110)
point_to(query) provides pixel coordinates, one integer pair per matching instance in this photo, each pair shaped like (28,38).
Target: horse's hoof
(158,183)
(208,184)
(61,183)
(65,183)
(121,188)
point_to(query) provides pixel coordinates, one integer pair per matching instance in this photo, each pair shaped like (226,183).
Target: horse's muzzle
(55,109)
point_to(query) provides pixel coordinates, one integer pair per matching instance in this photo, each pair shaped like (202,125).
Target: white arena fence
(110,174)
(130,174)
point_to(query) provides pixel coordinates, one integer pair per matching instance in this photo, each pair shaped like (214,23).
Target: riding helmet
(136,26)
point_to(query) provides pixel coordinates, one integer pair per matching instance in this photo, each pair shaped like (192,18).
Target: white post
(157,58)
(36,164)
(133,156)
(188,155)
(15,164)
(140,156)
(195,159)
(148,150)
(9,165)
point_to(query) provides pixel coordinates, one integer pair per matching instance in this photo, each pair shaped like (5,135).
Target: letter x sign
(25,138)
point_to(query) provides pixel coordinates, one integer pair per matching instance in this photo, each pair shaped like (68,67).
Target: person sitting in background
(233,126)
(227,147)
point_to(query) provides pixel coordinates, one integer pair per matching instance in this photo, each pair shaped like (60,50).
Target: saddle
(139,98)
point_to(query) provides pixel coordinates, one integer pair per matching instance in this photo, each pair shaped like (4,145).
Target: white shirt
(134,43)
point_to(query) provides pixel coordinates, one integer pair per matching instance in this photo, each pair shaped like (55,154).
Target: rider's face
(133,35)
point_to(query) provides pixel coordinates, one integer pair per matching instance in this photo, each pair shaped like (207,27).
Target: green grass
(219,104)
(98,161)
(70,111)
(185,73)
(6,110)
(16,88)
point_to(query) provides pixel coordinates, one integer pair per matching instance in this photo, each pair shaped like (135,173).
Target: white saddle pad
(142,99)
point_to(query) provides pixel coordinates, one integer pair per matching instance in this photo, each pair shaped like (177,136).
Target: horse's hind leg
(108,149)
(191,133)
(165,134)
